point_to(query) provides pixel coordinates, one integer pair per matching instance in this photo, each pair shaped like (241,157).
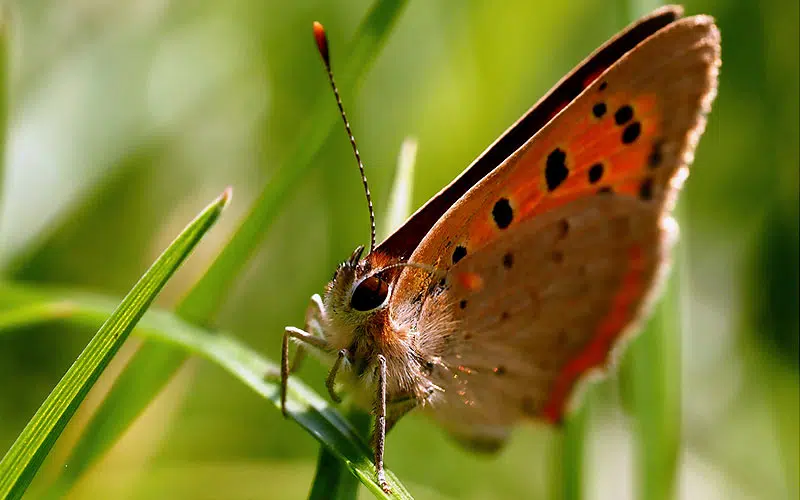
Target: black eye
(369,294)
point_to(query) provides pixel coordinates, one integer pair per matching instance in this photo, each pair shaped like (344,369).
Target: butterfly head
(357,289)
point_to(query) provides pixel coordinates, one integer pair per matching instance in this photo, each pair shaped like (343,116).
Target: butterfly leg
(313,324)
(331,380)
(379,431)
(302,336)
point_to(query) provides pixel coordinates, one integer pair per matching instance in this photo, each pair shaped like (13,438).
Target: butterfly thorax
(357,320)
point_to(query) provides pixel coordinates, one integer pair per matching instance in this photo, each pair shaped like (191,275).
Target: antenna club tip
(322,40)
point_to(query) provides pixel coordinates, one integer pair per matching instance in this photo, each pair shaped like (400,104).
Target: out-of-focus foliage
(139,111)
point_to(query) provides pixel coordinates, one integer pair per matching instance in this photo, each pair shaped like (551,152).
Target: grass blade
(572,457)
(23,459)
(654,379)
(154,364)
(400,198)
(328,476)
(652,375)
(304,406)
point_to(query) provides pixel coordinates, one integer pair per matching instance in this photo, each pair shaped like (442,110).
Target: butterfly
(490,303)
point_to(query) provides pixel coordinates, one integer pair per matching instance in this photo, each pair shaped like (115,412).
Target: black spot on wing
(599,109)
(631,133)
(623,115)
(595,173)
(502,213)
(556,170)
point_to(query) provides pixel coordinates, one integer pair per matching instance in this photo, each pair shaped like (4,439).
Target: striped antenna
(322,46)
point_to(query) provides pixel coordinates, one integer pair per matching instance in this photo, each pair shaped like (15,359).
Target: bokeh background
(127,116)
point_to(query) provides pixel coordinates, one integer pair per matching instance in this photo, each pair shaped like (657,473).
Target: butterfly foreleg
(313,325)
(304,337)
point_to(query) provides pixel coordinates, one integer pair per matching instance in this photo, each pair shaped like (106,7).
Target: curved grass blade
(22,461)
(304,406)
(154,364)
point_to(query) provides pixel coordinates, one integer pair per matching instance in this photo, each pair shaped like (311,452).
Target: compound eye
(369,294)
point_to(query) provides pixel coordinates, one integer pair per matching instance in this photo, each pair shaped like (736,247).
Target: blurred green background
(126,117)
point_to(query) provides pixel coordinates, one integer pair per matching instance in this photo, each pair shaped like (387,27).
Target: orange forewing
(402,242)
(636,124)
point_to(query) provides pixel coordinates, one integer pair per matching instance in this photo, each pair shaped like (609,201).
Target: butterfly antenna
(322,46)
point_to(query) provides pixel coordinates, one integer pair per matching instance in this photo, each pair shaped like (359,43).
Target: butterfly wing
(534,310)
(551,256)
(401,243)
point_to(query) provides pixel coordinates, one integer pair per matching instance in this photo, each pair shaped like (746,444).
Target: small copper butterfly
(492,300)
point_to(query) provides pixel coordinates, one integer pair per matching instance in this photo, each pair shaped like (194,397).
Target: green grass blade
(154,364)
(654,379)
(400,200)
(652,376)
(328,476)
(332,478)
(572,457)
(23,459)
(304,406)
(131,392)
